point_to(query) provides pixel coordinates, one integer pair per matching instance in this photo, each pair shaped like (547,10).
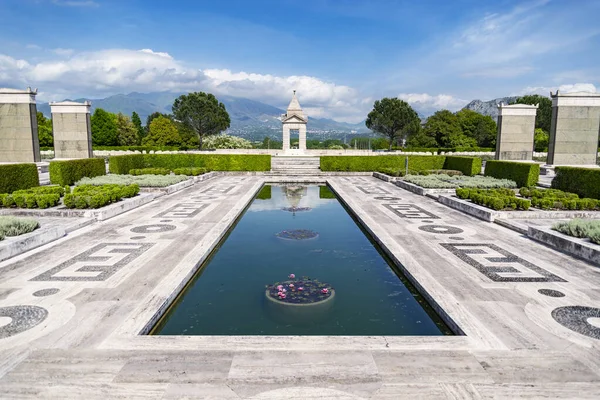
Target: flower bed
(300,291)
(36,197)
(12,226)
(580,228)
(89,196)
(496,199)
(442,181)
(554,199)
(297,234)
(140,180)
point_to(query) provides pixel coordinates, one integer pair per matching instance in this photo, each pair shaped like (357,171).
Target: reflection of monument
(294,119)
(294,195)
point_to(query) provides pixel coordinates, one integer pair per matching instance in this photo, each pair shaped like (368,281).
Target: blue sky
(340,55)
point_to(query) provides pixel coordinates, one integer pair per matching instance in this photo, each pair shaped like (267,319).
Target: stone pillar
(72,129)
(286,137)
(18,126)
(302,137)
(516,127)
(574,129)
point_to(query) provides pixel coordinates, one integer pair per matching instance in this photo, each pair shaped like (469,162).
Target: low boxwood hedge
(88,196)
(37,197)
(524,174)
(191,171)
(583,181)
(212,162)
(547,199)
(467,165)
(18,176)
(149,171)
(376,163)
(496,199)
(70,171)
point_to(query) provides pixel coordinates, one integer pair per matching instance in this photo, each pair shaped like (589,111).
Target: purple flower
(292,276)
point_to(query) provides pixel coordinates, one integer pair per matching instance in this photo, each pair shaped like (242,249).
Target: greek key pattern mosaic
(182,210)
(372,189)
(220,189)
(96,264)
(498,264)
(409,211)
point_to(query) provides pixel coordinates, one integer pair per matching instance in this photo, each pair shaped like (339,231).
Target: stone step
(293,166)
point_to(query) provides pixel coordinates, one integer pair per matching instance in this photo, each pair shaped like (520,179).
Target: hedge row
(376,163)
(212,162)
(149,171)
(524,174)
(37,197)
(496,199)
(583,181)
(439,150)
(70,171)
(18,176)
(467,165)
(556,199)
(88,196)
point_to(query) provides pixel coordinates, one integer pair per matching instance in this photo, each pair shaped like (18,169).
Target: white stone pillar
(575,129)
(286,137)
(19,140)
(516,127)
(302,137)
(72,129)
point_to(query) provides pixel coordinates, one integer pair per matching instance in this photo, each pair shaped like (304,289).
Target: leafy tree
(127,134)
(104,128)
(480,127)
(203,113)
(543,117)
(541,139)
(393,118)
(162,132)
(45,134)
(226,142)
(269,143)
(187,135)
(445,128)
(422,139)
(154,115)
(365,142)
(137,122)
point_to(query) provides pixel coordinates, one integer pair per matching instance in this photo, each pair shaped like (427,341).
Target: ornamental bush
(524,174)
(212,162)
(140,180)
(547,199)
(13,226)
(149,171)
(496,199)
(89,196)
(191,171)
(70,171)
(18,176)
(441,181)
(580,228)
(37,197)
(376,163)
(467,165)
(583,181)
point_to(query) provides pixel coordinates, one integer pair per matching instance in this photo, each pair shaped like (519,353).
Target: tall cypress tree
(141,132)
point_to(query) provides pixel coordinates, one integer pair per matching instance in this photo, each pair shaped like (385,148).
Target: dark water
(228,295)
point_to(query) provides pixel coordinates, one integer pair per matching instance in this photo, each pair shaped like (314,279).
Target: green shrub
(449,172)
(190,171)
(580,228)
(375,163)
(54,189)
(13,226)
(89,196)
(583,181)
(149,171)
(212,162)
(467,165)
(496,199)
(140,180)
(524,174)
(23,199)
(70,171)
(18,176)
(441,181)
(547,199)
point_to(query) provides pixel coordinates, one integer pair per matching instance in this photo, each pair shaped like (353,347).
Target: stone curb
(581,248)
(411,187)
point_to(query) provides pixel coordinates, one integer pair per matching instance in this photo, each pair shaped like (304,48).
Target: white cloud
(107,72)
(427,104)
(565,88)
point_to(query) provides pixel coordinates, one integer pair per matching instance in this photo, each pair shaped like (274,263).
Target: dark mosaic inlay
(138,237)
(427,221)
(551,293)
(576,318)
(372,189)
(157,228)
(46,292)
(498,264)
(23,319)
(166,220)
(456,238)
(297,234)
(441,229)
(182,210)
(104,260)
(410,211)
(219,189)
(387,198)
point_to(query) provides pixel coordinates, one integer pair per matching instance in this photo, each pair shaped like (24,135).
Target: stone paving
(73,313)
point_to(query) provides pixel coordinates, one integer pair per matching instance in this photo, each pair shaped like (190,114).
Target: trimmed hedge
(18,176)
(37,197)
(190,171)
(70,171)
(583,181)
(467,165)
(524,174)
(149,171)
(376,163)
(496,199)
(212,162)
(547,199)
(12,226)
(88,196)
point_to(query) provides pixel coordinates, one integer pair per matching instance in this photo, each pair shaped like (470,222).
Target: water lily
(282,296)
(292,276)
(291,285)
(325,290)
(300,288)
(279,287)
(284,290)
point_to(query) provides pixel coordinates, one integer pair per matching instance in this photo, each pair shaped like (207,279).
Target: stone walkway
(71,312)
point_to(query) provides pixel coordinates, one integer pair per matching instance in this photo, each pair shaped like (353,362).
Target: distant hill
(249,118)
(489,107)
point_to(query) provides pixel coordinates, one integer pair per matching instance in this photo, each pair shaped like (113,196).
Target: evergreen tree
(137,122)
(104,128)
(45,134)
(127,134)
(162,132)
(393,118)
(543,117)
(444,127)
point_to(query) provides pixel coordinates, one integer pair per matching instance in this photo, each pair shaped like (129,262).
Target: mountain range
(489,107)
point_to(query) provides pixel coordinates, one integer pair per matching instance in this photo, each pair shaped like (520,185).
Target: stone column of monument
(72,129)
(294,119)
(18,126)
(574,129)
(516,128)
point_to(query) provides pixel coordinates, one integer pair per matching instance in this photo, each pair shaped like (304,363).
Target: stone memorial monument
(516,127)
(574,129)
(72,129)
(294,119)
(18,126)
